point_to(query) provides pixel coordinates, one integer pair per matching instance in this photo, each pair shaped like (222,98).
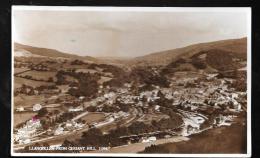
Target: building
(149,139)
(20,109)
(37,107)
(29,130)
(59,131)
(80,108)
(81,97)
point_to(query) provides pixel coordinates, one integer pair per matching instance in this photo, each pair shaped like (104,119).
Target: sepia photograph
(131,81)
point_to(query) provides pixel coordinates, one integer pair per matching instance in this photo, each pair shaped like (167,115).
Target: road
(80,115)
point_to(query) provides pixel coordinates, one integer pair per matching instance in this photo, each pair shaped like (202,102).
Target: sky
(122,33)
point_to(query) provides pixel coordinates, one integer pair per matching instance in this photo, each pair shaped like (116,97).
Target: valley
(129,105)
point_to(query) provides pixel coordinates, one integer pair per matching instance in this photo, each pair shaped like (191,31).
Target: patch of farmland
(64,88)
(19,70)
(18,81)
(108,74)
(55,66)
(93,117)
(39,75)
(70,78)
(21,117)
(104,79)
(27,101)
(147,118)
(99,69)
(69,66)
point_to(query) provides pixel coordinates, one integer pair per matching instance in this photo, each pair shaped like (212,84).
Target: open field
(86,70)
(39,75)
(104,79)
(93,117)
(147,118)
(69,66)
(19,70)
(18,82)
(27,101)
(21,117)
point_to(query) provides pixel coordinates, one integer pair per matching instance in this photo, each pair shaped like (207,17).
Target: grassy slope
(51,52)
(237,46)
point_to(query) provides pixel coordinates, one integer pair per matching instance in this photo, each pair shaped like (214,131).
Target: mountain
(25,50)
(213,50)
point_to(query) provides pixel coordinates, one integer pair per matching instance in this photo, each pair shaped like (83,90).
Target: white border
(247,10)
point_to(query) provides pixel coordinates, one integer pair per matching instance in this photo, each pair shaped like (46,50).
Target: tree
(42,112)
(156,149)
(160,94)
(60,77)
(107,108)
(68,143)
(87,85)
(199,64)
(91,108)
(50,79)
(93,137)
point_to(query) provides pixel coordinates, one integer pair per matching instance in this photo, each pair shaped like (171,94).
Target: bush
(92,109)
(146,76)
(199,64)
(77,62)
(50,79)
(42,112)
(155,149)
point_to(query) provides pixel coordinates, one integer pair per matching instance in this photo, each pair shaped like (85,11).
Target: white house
(20,109)
(59,131)
(157,107)
(76,109)
(29,130)
(150,139)
(37,107)
(81,97)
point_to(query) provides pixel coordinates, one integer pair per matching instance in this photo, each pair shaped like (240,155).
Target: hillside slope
(236,47)
(50,52)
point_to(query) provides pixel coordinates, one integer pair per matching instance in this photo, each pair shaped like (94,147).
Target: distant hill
(218,50)
(212,56)
(36,51)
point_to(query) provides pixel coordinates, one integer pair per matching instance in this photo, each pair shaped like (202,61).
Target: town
(66,102)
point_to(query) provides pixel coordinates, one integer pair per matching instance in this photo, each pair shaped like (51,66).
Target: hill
(234,48)
(36,51)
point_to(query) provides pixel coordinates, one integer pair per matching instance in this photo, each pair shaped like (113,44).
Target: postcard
(131,81)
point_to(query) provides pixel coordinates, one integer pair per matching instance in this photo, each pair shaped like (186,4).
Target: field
(63,88)
(38,75)
(22,117)
(147,118)
(18,81)
(86,70)
(93,117)
(69,66)
(104,79)
(19,70)
(27,101)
